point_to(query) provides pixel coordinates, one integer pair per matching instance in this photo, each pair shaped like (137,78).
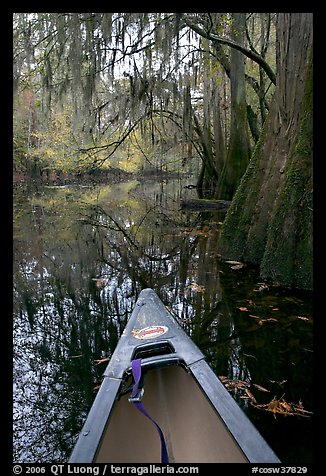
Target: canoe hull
(201,421)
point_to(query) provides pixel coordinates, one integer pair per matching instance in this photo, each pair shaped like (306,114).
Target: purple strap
(136,372)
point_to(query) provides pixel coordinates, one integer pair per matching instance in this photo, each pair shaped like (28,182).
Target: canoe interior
(193,430)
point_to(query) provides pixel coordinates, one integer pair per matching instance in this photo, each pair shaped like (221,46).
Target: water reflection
(82,255)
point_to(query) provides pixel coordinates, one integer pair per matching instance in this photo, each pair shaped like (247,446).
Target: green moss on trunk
(270,220)
(288,258)
(234,233)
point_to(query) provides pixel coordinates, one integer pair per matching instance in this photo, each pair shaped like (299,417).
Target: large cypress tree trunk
(270,220)
(238,153)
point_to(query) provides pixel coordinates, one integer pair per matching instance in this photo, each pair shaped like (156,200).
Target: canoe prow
(200,419)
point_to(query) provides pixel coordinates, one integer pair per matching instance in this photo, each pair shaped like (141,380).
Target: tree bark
(238,153)
(270,220)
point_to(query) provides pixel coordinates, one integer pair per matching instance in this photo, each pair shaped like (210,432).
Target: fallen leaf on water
(250,395)
(201,231)
(233,383)
(262,389)
(303,318)
(280,383)
(241,387)
(282,407)
(242,308)
(100,282)
(197,287)
(237,266)
(261,287)
(287,407)
(270,319)
(101,360)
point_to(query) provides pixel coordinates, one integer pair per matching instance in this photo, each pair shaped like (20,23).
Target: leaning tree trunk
(270,220)
(238,153)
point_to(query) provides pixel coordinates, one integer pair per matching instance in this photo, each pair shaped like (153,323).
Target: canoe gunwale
(173,348)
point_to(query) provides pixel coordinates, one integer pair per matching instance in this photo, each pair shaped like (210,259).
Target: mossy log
(200,204)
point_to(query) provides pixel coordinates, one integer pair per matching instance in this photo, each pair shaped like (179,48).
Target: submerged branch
(204,204)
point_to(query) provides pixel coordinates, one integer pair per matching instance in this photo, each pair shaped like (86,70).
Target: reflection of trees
(79,266)
(183,268)
(62,323)
(80,263)
(136,249)
(275,353)
(270,330)
(59,331)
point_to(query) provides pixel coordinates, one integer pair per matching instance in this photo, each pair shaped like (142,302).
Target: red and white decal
(150,332)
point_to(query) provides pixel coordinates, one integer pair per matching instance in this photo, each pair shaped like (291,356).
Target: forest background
(228,95)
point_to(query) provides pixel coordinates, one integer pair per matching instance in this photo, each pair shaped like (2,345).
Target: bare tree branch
(227,41)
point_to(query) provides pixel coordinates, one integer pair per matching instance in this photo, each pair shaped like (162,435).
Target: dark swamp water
(81,256)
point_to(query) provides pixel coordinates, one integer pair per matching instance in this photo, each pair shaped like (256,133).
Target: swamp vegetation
(230,94)
(120,119)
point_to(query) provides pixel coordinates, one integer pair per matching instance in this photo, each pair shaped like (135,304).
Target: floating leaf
(100,282)
(303,318)
(237,266)
(235,384)
(250,395)
(261,287)
(102,360)
(286,406)
(280,383)
(197,287)
(270,319)
(262,389)
(282,407)
(243,309)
